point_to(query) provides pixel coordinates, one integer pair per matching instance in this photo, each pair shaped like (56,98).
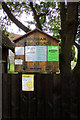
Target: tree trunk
(68,31)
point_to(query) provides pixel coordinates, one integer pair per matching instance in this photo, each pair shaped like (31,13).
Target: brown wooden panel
(38,67)
(15,93)
(37,38)
(41,96)
(18,68)
(19,57)
(6,96)
(37,104)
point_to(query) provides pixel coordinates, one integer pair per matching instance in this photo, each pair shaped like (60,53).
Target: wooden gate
(24,105)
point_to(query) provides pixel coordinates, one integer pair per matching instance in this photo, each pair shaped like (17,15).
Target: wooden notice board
(36,51)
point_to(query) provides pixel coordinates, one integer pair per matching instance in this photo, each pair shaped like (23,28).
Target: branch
(13,19)
(33,9)
(36,17)
(43,14)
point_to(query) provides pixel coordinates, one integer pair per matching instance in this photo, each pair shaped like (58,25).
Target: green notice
(53,53)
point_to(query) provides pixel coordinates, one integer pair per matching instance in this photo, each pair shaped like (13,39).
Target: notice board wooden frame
(36,38)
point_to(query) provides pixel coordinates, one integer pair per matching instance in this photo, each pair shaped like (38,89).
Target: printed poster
(53,53)
(30,53)
(19,50)
(27,82)
(41,53)
(35,53)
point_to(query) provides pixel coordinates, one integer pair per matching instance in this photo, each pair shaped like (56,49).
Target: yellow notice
(27,82)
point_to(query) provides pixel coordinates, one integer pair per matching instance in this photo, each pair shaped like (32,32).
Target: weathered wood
(15,92)
(5,45)
(18,104)
(6,96)
(36,38)
(43,102)
(4,60)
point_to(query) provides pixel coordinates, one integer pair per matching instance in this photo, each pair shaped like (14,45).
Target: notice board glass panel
(41,53)
(35,53)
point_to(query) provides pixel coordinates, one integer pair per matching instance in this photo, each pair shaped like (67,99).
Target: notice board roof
(16,40)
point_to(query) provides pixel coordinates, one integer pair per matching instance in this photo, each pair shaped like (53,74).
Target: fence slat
(15,92)
(6,96)
(37,104)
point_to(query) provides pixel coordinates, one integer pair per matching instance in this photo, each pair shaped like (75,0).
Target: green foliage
(78,29)
(12,37)
(79,40)
(0,6)
(73,53)
(73,65)
(75,59)
(11,70)
(16,9)
(6,33)
(50,21)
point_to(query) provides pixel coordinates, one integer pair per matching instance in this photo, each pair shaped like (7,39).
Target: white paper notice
(18,61)
(30,53)
(19,50)
(41,53)
(35,53)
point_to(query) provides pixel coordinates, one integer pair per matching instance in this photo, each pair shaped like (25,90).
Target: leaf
(75,59)
(79,40)
(73,53)
(0,6)
(12,37)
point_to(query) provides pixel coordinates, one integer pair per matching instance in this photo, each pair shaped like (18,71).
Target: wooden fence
(24,105)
